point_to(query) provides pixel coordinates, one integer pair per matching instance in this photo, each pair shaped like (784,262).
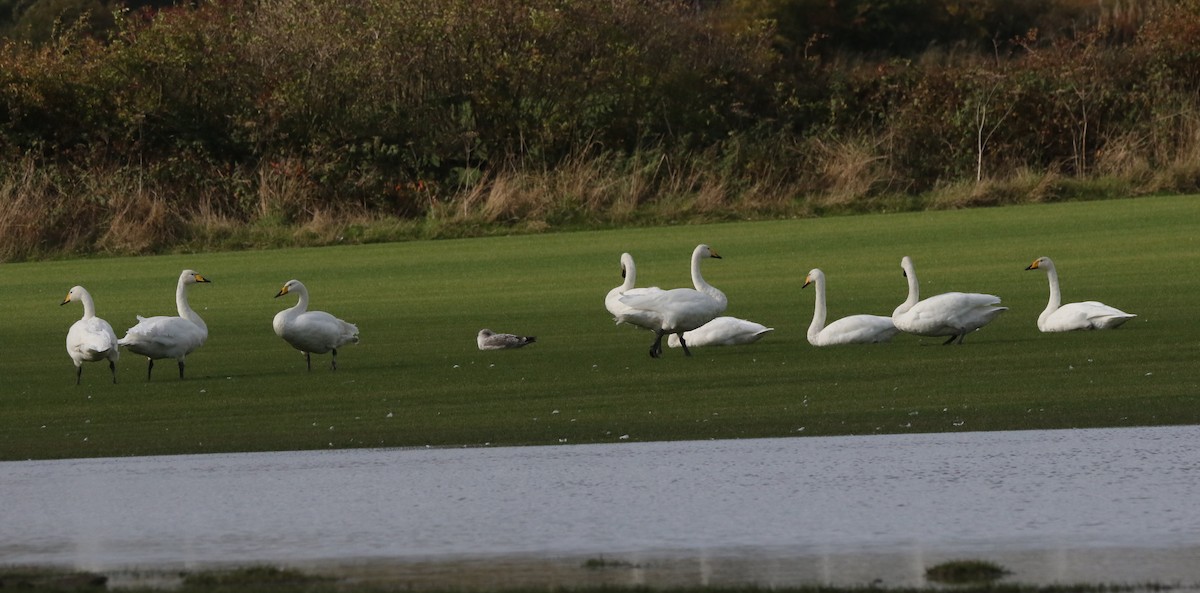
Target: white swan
(855,329)
(722,331)
(490,340)
(311,332)
(90,339)
(1074,316)
(953,314)
(169,337)
(680,310)
(621,312)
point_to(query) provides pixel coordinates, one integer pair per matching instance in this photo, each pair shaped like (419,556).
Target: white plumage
(311,332)
(953,314)
(91,339)
(490,340)
(621,312)
(169,337)
(680,310)
(855,329)
(722,331)
(1074,316)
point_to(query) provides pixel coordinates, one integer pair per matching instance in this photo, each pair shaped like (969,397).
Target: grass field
(417,379)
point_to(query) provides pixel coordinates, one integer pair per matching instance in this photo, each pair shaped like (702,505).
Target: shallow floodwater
(1113,505)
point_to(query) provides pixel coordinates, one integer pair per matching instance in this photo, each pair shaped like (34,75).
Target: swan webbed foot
(656,349)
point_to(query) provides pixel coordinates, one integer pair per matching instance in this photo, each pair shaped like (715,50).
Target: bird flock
(687,317)
(691,316)
(92,339)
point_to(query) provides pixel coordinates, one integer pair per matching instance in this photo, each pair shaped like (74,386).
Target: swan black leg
(333,365)
(951,340)
(112,366)
(78,374)
(181,369)
(684,344)
(149,367)
(308,360)
(656,349)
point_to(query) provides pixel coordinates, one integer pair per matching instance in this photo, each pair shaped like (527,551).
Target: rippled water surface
(1115,505)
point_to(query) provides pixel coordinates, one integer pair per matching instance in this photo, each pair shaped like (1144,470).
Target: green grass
(417,379)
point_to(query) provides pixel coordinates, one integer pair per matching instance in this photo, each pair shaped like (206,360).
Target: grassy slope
(417,378)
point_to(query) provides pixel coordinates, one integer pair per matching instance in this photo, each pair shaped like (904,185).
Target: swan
(722,331)
(621,312)
(1074,316)
(680,310)
(855,329)
(311,331)
(90,339)
(953,314)
(490,340)
(169,337)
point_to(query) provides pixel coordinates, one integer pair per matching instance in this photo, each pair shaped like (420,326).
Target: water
(1114,505)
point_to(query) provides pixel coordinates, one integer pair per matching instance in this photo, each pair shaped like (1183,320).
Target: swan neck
(630,276)
(818,320)
(182,306)
(697,278)
(1055,291)
(914,290)
(89,306)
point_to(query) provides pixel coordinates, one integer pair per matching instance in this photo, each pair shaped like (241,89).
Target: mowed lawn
(417,378)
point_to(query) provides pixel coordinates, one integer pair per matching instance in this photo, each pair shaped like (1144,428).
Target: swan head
(906,264)
(703,251)
(192,277)
(1041,263)
(76,293)
(289,287)
(813,275)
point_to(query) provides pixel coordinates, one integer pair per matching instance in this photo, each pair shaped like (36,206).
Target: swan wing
(623,313)
(163,337)
(722,331)
(858,329)
(679,309)
(1085,315)
(91,340)
(949,313)
(318,332)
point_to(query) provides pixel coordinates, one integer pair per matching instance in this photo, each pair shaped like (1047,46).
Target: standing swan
(953,314)
(91,338)
(679,310)
(855,329)
(621,312)
(169,337)
(311,331)
(1074,316)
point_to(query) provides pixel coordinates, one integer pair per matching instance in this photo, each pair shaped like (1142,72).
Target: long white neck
(89,307)
(630,272)
(818,320)
(185,310)
(914,289)
(1055,291)
(699,282)
(301,300)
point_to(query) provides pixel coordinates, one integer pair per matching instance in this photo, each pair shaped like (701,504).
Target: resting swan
(1074,316)
(621,312)
(311,332)
(90,339)
(680,310)
(953,314)
(722,331)
(855,329)
(169,337)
